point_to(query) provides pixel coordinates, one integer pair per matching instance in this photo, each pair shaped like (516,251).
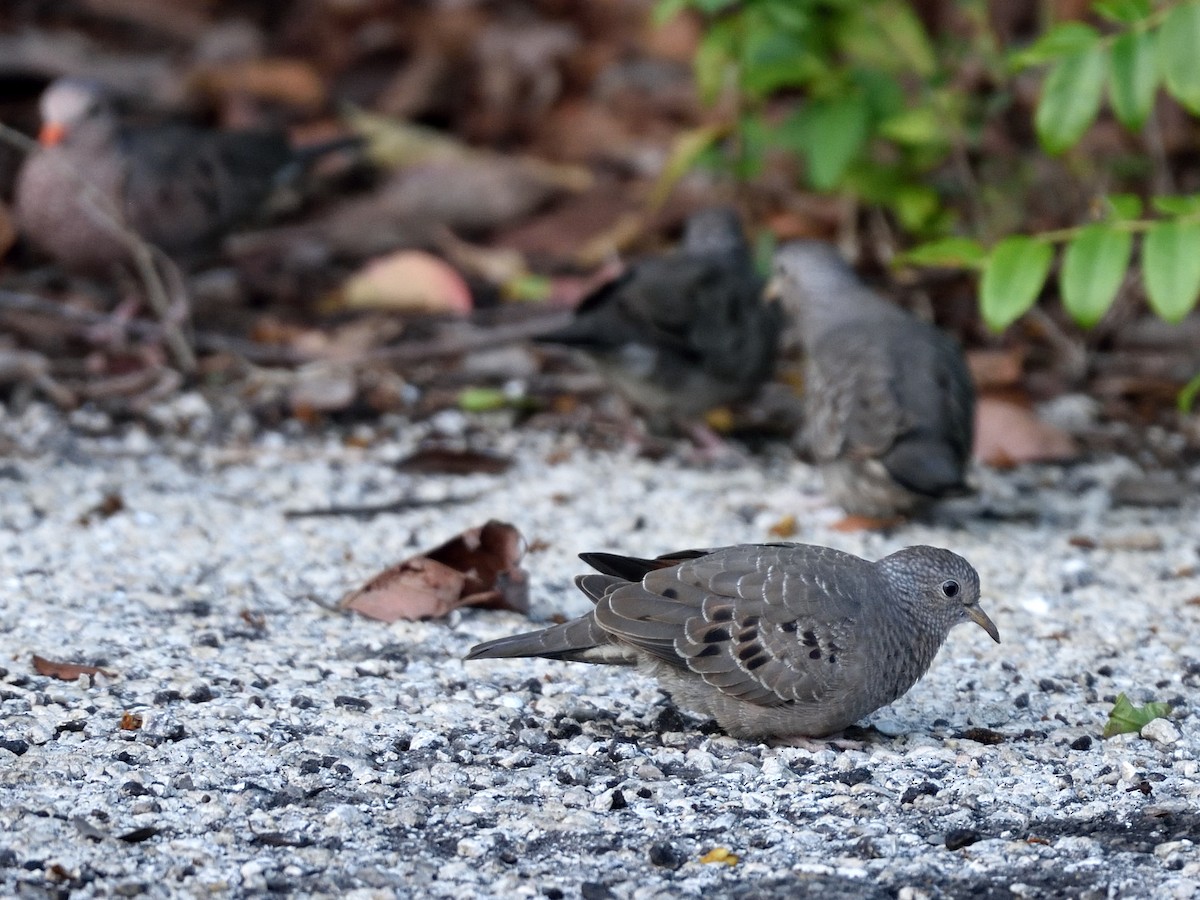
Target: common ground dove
(176,186)
(772,640)
(889,403)
(682,333)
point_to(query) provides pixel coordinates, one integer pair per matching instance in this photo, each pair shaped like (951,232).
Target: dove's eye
(950,588)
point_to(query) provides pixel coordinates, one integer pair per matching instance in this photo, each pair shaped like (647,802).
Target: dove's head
(811,267)
(66,104)
(940,588)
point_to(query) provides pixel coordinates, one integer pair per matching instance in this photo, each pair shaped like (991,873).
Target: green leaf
(1124,11)
(1092,269)
(773,59)
(914,205)
(1187,396)
(1012,278)
(1134,77)
(1171,268)
(915,127)
(834,131)
(950,253)
(1070,99)
(482,399)
(1066,39)
(713,63)
(1126,718)
(908,35)
(1186,205)
(1178,40)
(1123,207)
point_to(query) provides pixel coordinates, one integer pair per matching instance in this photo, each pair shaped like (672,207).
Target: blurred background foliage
(915,109)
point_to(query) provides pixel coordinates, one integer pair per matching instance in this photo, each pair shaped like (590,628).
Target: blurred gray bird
(772,640)
(174,185)
(889,403)
(682,333)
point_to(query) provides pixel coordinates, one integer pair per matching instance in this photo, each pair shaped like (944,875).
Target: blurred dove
(889,404)
(772,640)
(685,332)
(174,185)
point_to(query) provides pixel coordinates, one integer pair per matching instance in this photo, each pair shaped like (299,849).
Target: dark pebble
(1082,743)
(958,838)
(302,702)
(15,746)
(202,694)
(593,890)
(357,703)
(666,857)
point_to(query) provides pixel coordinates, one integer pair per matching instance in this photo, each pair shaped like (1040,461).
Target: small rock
(957,838)
(1160,731)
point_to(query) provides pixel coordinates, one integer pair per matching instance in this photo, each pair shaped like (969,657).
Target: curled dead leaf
(65,671)
(480,567)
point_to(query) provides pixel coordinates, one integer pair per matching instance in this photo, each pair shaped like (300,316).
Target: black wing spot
(710,650)
(789,627)
(715,635)
(832,659)
(753,664)
(815,653)
(750,651)
(810,639)
(725,614)
(749,621)
(670,593)
(747,634)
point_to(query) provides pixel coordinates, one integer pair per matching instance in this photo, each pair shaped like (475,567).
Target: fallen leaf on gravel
(1007,435)
(130,722)
(110,505)
(1126,718)
(407,281)
(449,461)
(480,567)
(65,671)
(720,855)
(784,528)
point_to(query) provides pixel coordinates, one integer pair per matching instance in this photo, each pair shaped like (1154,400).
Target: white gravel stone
(1160,731)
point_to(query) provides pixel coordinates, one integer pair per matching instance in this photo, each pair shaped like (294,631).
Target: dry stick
(481,339)
(212,343)
(142,253)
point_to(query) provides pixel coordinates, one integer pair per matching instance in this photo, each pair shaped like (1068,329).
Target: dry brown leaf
(480,567)
(289,81)
(65,671)
(407,281)
(996,368)
(131,722)
(1007,434)
(784,528)
(435,460)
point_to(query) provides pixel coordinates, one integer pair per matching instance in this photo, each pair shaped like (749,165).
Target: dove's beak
(52,134)
(980,618)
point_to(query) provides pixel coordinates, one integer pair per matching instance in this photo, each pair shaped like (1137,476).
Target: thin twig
(142,254)
(141,328)
(477,339)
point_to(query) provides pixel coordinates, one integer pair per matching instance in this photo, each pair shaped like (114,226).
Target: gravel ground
(286,748)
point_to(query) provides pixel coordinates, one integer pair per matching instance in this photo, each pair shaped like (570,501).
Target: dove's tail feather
(580,640)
